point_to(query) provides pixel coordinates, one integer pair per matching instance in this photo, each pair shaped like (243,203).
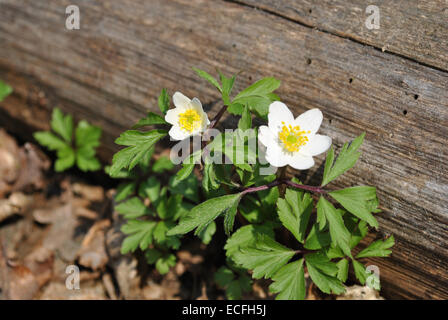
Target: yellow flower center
(189,120)
(292,137)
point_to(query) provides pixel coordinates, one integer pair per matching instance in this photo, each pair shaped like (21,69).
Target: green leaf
(133,208)
(138,143)
(124,190)
(227,85)
(62,125)
(246,236)
(342,270)
(66,159)
(327,284)
(206,234)
(359,201)
(208,77)
(294,212)
(162,164)
(165,262)
(152,255)
(161,236)
(265,257)
(140,235)
(378,248)
(360,271)
(346,160)
(150,188)
(258,96)
(224,276)
(229,218)
(49,140)
(338,232)
(86,161)
(317,239)
(201,215)
(5,90)
(322,262)
(87,135)
(164,101)
(289,282)
(245,122)
(187,187)
(151,119)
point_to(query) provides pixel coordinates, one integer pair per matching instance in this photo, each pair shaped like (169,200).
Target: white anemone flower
(188,118)
(290,141)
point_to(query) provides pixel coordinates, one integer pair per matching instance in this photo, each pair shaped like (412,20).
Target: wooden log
(409,28)
(112,69)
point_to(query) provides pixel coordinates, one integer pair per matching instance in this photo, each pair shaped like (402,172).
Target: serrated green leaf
(164,101)
(62,125)
(138,143)
(132,208)
(165,262)
(124,190)
(151,119)
(246,236)
(294,212)
(317,239)
(187,187)
(338,232)
(289,282)
(360,271)
(204,213)
(206,234)
(5,90)
(208,77)
(224,276)
(346,160)
(152,255)
(378,248)
(245,122)
(227,85)
(161,236)
(258,96)
(357,201)
(229,218)
(324,282)
(321,261)
(162,164)
(87,135)
(66,159)
(139,235)
(86,161)
(150,188)
(265,257)
(342,270)
(49,140)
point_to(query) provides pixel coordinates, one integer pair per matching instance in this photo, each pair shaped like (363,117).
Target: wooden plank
(111,71)
(411,28)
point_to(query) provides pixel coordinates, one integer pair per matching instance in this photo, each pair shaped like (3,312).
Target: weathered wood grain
(111,71)
(410,28)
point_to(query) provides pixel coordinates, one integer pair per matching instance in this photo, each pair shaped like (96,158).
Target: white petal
(309,120)
(317,145)
(197,105)
(181,101)
(177,134)
(205,121)
(265,135)
(276,156)
(278,113)
(172,116)
(301,162)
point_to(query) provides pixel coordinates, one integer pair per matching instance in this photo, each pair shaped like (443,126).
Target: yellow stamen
(189,120)
(292,137)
